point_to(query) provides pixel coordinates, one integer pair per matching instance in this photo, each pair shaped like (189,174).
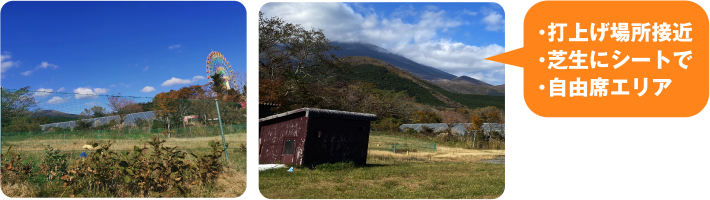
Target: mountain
(373,51)
(468,85)
(54,113)
(389,77)
(500,88)
(470,80)
(444,80)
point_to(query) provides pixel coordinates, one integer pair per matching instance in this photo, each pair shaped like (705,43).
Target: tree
(173,105)
(17,104)
(224,94)
(425,117)
(123,106)
(147,106)
(451,118)
(474,128)
(217,84)
(287,54)
(22,124)
(93,112)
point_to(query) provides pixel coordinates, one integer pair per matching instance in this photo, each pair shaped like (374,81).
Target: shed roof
(325,113)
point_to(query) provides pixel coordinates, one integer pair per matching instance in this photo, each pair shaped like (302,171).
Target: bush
(387,124)
(335,166)
(161,172)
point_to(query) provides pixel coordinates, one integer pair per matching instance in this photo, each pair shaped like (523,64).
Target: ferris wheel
(217,64)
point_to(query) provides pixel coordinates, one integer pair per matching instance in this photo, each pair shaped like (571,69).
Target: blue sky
(453,37)
(117,47)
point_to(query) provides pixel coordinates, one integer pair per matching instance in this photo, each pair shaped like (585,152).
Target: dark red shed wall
(272,139)
(340,140)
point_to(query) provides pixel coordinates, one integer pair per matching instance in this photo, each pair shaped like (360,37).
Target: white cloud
(101,90)
(61,89)
(6,63)
(174,46)
(45,65)
(112,85)
(58,100)
(177,81)
(419,40)
(42,92)
(84,93)
(493,20)
(146,68)
(148,89)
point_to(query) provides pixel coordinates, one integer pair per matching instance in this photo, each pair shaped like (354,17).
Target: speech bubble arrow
(515,57)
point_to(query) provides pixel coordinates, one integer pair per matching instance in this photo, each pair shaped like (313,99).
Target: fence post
(226,155)
(434,146)
(191,134)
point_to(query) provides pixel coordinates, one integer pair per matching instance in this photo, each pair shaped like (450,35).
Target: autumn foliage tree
(123,106)
(425,117)
(293,61)
(173,105)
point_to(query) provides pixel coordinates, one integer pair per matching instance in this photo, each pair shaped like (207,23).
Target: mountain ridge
(452,83)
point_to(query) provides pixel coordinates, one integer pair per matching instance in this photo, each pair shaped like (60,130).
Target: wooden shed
(311,136)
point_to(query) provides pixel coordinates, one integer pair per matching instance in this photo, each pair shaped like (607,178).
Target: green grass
(412,180)
(385,141)
(423,142)
(388,176)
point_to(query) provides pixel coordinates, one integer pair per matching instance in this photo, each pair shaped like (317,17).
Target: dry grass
(17,190)
(75,145)
(231,184)
(442,154)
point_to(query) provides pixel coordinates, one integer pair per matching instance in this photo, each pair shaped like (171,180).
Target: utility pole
(221,130)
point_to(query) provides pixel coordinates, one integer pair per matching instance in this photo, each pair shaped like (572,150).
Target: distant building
(186,119)
(243,104)
(311,136)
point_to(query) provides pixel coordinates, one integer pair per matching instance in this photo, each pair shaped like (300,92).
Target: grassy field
(448,172)
(230,183)
(385,181)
